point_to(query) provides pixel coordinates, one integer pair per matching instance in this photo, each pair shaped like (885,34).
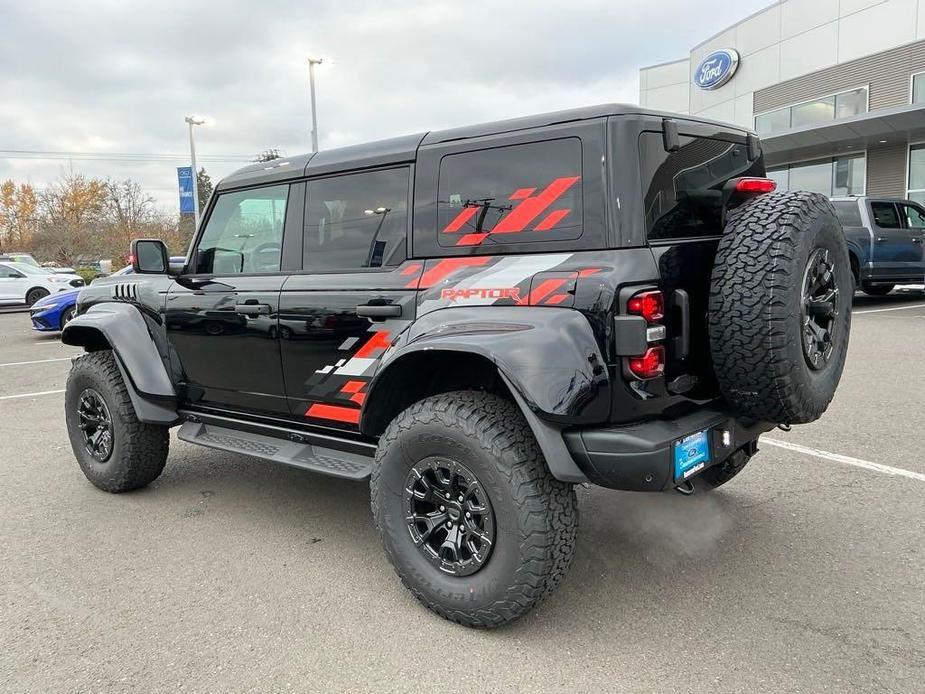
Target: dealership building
(835,89)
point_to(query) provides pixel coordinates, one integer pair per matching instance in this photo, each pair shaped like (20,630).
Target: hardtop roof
(403,149)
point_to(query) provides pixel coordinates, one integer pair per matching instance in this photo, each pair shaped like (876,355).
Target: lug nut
(460,497)
(468,515)
(443,508)
(449,524)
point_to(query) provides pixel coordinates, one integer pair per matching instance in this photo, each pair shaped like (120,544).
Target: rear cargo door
(683,209)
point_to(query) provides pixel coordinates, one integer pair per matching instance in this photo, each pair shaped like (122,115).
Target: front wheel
(876,289)
(471,519)
(68,316)
(115,451)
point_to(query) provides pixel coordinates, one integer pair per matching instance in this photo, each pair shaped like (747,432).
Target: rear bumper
(640,457)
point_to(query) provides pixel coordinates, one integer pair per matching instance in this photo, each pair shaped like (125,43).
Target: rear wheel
(34,295)
(876,289)
(471,520)
(115,451)
(780,307)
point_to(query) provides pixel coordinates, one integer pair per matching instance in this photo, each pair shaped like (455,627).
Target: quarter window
(356,221)
(244,233)
(913,217)
(515,194)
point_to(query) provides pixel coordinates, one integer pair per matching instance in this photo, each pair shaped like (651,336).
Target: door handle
(881,239)
(379,311)
(252,308)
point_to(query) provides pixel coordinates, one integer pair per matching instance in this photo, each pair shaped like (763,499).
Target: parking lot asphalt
(806,573)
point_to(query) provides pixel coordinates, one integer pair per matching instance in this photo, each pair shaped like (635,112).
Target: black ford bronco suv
(478,319)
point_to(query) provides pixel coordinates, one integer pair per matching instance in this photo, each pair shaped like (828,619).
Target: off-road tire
(718,475)
(139,450)
(756,304)
(876,289)
(35,294)
(536,516)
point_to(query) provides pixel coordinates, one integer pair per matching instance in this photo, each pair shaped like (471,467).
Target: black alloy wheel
(820,309)
(449,516)
(95,424)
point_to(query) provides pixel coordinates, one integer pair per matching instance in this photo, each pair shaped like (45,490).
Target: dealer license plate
(691,454)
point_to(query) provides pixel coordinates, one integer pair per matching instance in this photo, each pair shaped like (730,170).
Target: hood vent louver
(125,291)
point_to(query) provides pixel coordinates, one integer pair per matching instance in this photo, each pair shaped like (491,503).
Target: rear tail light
(650,364)
(649,304)
(755,185)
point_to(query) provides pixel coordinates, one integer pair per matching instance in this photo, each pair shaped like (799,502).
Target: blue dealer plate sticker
(691,454)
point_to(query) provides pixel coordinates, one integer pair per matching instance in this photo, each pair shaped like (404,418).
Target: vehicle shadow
(634,549)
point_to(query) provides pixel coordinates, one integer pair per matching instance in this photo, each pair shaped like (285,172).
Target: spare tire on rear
(780,307)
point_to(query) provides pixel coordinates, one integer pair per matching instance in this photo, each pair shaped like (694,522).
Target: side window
(356,221)
(513,194)
(244,233)
(682,190)
(885,215)
(913,216)
(848,213)
(7,272)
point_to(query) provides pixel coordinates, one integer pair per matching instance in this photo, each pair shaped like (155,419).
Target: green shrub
(88,274)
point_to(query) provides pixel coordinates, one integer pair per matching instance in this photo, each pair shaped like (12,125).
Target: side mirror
(149,256)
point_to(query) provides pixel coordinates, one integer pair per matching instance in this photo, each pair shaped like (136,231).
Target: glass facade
(840,176)
(821,110)
(917,174)
(918,88)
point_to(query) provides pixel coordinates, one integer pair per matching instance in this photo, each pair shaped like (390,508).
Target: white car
(21,283)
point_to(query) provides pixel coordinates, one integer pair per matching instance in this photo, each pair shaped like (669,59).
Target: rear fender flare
(122,328)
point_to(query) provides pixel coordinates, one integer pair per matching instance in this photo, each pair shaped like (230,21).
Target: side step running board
(302,455)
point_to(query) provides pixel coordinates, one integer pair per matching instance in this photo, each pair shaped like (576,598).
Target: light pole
(192,120)
(312,62)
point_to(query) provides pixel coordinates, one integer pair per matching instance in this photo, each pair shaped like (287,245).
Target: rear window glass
(683,190)
(848,213)
(515,194)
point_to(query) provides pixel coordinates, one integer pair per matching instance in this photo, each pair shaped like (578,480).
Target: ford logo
(716,69)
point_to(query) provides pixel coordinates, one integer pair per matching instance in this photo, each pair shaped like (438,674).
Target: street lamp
(312,62)
(193,120)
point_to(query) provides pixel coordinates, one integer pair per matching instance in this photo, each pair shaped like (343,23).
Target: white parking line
(892,308)
(37,361)
(846,460)
(30,395)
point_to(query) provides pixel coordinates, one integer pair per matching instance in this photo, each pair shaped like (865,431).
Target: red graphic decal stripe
(459,221)
(358,398)
(353,386)
(472,239)
(334,412)
(545,288)
(446,267)
(588,271)
(412,269)
(379,340)
(550,220)
(528,210)
(521,193)
(556,299)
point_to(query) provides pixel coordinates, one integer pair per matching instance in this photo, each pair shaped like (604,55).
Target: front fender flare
(122,328)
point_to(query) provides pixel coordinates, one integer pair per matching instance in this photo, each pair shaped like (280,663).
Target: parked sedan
(53,312)
(21,283)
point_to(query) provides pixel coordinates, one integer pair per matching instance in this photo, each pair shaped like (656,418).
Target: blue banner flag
(185,179)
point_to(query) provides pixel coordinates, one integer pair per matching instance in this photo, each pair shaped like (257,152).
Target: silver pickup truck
(885,241)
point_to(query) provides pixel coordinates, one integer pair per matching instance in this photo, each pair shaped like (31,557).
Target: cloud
(115,76)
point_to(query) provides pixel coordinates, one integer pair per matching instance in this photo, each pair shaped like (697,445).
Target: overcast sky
(118,76)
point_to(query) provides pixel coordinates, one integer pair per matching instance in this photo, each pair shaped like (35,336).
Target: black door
(355,293)
(222,319)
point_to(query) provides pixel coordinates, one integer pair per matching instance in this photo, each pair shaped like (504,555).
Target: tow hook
(685,488)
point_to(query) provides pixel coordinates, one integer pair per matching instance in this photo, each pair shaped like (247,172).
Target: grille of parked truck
(477,320)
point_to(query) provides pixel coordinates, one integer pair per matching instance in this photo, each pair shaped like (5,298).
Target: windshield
(25,260)
(30,269)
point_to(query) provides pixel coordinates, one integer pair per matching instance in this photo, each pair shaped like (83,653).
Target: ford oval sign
(716,69)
